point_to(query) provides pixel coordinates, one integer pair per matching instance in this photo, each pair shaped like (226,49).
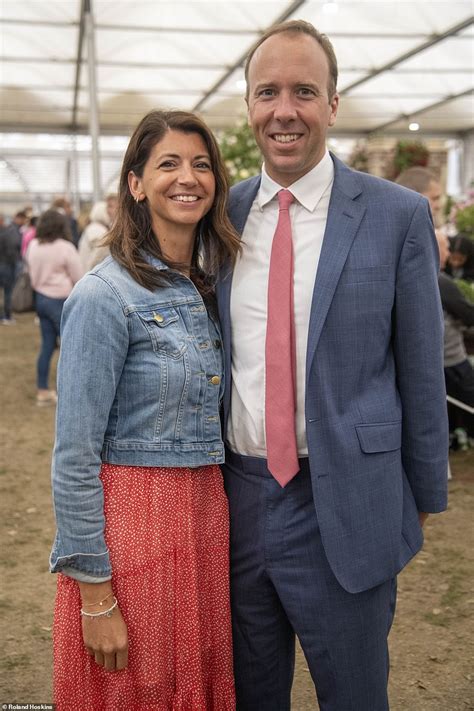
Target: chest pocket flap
(166,330)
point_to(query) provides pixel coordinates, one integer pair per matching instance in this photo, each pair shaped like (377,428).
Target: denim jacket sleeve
(94,344)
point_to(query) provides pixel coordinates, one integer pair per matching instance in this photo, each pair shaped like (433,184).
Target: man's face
(434,194)
(288,105)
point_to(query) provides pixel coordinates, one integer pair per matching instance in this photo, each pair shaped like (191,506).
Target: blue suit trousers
(282,585)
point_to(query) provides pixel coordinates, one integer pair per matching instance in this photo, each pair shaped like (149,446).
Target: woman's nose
(186,175)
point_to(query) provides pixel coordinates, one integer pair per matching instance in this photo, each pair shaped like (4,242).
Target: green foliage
(408,154)
(240,152)
(464,220)
(467,289)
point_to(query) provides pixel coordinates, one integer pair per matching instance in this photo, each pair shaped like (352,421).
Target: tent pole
(93,105)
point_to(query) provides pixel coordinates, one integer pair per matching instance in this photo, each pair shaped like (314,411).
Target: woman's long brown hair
(132,236)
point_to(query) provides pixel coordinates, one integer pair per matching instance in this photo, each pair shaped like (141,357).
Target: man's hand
(422,517)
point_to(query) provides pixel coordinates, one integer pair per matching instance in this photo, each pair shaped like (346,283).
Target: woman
(461,257)
(28,235)
(142,616)
(91,248)
(54,267)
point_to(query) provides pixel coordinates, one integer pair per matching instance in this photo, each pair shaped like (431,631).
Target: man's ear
(334,105)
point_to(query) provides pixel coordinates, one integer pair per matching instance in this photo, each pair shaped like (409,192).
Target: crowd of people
(251,409)
(56,255)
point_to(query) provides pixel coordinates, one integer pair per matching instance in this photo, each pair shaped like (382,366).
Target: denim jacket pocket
(165,330)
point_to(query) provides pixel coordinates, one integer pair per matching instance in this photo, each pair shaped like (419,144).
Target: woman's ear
(135,186)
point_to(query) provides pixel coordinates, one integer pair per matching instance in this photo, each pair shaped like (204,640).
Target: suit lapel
(344,218)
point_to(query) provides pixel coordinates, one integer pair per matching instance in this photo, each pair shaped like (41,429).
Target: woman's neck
(177,245)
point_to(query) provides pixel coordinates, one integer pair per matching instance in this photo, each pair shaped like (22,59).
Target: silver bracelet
(105,613)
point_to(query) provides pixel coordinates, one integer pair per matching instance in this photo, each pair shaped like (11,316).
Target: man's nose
(285,109)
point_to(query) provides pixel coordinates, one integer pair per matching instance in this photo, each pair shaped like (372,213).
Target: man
(336,429)
(10,262)
(458,311)
(63,205)
(423,181)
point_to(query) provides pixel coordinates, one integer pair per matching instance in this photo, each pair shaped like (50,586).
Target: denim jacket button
(215,380)
(217,344)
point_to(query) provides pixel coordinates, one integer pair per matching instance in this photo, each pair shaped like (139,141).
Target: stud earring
(136,199)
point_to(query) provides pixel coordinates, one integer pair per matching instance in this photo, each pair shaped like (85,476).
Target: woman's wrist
(95,596)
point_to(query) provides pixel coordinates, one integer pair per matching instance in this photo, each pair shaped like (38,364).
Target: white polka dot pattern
(168,535)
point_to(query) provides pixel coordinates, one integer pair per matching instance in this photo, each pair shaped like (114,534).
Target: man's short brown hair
(417,178)
(295,27)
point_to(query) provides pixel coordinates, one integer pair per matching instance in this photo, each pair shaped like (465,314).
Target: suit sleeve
(418,347)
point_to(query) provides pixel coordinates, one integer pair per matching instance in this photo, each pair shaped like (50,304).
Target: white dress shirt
(248,305)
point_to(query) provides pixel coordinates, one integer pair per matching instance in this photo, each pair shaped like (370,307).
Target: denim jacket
(140,380)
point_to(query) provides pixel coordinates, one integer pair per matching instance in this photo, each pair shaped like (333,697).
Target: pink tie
(280,353)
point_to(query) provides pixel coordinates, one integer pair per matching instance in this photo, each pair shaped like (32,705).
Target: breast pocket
(166,331)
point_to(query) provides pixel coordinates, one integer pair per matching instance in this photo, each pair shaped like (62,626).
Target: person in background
(423,181)
(460,264)
(336,428)
(142,616)
(91,248)
(10,263)
(54,267)
(28,235)
(458,311)
(458,371)
(63,205)
(112,207)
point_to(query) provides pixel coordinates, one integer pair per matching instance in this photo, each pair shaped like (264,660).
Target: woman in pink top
(54,267)
(28,235)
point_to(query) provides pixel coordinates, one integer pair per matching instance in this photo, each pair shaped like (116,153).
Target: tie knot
(285,198)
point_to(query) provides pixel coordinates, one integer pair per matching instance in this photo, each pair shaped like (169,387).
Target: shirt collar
(308,190)
(154,261)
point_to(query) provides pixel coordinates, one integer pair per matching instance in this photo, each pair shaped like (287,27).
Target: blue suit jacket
(375,402)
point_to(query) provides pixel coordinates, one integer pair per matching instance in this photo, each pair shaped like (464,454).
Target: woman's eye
(167,164)
(203,165)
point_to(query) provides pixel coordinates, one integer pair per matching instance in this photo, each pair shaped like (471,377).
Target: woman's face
(178,181)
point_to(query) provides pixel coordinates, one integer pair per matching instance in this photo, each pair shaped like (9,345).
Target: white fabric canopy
(399,62)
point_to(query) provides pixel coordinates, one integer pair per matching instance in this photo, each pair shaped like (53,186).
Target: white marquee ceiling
(397,60)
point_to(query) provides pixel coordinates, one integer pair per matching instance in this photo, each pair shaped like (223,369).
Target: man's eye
(266,92)
(304,91)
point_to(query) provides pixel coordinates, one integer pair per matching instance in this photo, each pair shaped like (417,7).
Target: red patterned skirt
(167,532)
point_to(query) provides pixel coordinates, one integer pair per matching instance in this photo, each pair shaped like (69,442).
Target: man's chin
(285,170)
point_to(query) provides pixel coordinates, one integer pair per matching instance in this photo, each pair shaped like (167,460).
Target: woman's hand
(105,638)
